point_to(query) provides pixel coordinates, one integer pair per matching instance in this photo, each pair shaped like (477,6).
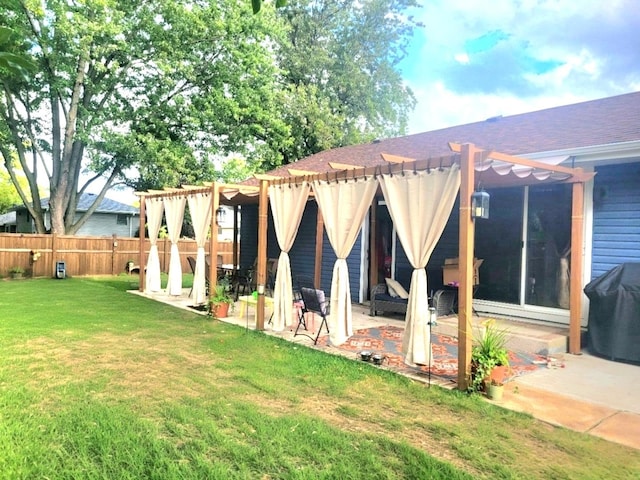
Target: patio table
(246,300)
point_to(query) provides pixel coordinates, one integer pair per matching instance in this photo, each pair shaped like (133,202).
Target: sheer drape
(174,213)
(153,207)
(420,205)
(200,210)
(287,206)
(343,206)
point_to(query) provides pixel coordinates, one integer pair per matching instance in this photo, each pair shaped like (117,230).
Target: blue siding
(447,247)
(248,235)
(616,217)
(303,251)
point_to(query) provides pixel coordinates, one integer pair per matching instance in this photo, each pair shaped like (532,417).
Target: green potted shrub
(221,299)
(16,272)
(489,357)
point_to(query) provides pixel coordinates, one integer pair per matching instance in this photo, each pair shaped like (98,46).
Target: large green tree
(341,81)
(145,93)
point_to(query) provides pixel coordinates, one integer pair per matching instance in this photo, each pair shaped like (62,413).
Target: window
(122,219)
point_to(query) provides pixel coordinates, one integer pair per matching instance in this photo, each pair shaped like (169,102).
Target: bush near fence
(89,255)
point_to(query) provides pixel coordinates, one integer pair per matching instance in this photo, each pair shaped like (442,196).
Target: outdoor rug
(387,340)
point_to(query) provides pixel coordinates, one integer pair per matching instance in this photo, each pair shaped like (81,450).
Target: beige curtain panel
(174,212)
(153,207)
(200,209)
(419,204)
(287,206)
(344,206)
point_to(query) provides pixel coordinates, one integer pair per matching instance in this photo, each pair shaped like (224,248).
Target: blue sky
(476,59)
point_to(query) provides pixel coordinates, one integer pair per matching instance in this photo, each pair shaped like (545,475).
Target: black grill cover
(614,313)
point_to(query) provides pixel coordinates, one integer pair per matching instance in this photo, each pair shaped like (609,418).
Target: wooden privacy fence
(37,254)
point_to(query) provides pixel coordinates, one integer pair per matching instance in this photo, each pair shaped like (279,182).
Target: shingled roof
(606,121)
(106,206)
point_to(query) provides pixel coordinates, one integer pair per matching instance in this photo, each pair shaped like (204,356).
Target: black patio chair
(243,280)
(314,302)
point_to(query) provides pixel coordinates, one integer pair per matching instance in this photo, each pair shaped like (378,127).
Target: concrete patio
(582,392)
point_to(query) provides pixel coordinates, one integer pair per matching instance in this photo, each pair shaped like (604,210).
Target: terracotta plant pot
(219,310)
(498,374)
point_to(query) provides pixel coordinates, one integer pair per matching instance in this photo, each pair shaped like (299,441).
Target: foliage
(146,94)
(488,352)
(8,194)
(16,269)
(222,292)
(146,390)
(257,4)
(14,62)
(340,70)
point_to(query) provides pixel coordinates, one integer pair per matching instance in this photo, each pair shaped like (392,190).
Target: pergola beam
(387,157)
(343,166)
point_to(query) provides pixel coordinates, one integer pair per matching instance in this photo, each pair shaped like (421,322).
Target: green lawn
(98,383)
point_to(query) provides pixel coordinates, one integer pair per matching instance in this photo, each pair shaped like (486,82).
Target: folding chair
(301,281)
(313,301)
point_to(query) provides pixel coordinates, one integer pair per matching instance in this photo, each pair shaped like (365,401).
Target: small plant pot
(494,391)
(219,310)
(16,275)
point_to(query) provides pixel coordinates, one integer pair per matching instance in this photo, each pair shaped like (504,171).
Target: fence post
(114,245)
(54,253)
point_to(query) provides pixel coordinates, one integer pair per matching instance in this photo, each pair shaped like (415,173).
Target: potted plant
(16,272)
(489,357)
(221,299)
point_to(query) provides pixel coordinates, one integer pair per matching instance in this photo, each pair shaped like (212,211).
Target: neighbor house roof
(106,206)
(607,121)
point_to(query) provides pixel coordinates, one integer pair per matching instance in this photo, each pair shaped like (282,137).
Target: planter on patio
(495,390)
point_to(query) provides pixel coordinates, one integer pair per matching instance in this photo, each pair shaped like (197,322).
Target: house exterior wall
(23,222)
(98,224)
(106,224)
(616,217)
(447,247)
(303,251)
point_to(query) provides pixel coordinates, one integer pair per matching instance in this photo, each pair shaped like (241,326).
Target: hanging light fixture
(220,215)
(480,204)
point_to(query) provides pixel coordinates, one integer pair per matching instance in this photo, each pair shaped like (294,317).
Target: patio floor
(583,392)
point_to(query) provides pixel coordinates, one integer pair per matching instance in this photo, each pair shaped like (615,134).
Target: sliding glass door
(525,245)
(548,236)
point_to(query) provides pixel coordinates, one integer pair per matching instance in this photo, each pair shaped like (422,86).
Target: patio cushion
(395,289)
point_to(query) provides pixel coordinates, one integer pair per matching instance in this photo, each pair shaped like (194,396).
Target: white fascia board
(593,153)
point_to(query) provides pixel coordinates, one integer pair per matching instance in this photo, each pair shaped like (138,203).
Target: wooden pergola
(519,172)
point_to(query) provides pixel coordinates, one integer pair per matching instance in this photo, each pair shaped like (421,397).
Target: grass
(96,383)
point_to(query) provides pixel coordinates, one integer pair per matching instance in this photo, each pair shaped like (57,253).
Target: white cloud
(462,58)
(472,62)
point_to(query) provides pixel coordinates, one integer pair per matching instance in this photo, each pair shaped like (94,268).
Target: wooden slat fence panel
(88,255)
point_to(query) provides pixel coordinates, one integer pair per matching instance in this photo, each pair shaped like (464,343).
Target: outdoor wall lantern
(220,215)
(480,204)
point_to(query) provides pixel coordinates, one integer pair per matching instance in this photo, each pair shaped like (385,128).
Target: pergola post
(373,246)
(262,251)
(213,240)
(317,271)
(575,282)
(141,235)
(465,259)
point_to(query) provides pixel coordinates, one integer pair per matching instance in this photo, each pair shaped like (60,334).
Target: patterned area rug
(387,341)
